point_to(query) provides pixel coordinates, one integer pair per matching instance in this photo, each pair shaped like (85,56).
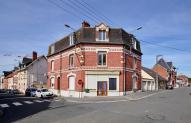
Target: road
(173,106)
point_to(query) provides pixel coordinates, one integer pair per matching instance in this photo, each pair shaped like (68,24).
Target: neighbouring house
(148,82)
(1,81)
(32,72)
(95,61)
(166,70)
(5,79)
(162,82)
(182,80)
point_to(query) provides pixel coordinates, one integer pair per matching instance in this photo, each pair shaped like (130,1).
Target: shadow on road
(14,113)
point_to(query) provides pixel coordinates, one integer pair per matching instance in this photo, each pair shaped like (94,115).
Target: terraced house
(95,61)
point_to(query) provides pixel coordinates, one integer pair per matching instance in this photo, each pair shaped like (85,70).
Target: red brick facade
(115,62)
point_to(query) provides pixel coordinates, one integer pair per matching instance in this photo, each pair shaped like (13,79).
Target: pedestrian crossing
(20,103)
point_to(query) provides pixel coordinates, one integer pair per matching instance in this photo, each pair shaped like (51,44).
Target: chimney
(34,55)
(85,24)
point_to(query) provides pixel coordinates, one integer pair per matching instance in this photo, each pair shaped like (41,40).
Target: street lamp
(157,83)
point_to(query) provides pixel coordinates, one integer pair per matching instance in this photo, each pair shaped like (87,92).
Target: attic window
(134,43)
(52,49)
(102,35)
(71,39)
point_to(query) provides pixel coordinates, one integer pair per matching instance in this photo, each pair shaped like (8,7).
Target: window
(71,39)
(134,42)
(52,65)
(71,60)
(52,82)
(52,49)
(134,63)
(101,58)
(102,35)
(112,83)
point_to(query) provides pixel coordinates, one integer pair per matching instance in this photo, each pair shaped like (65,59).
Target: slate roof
(88,35)
(153,74)
(164,64)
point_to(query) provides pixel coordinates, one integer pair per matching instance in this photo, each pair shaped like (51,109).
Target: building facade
(148,82)
(95,61)
(32,73)
(167,71)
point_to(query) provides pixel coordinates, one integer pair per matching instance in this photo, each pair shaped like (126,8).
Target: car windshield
(33,89)
(44,90)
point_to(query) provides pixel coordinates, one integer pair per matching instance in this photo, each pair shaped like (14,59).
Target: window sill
(102,66)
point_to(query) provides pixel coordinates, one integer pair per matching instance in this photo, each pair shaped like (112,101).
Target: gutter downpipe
(124,74)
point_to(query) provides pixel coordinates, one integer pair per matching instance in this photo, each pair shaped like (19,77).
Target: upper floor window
(52,65)
(102,58)
(134,63)
(71,38)
(102,35)
(71,60)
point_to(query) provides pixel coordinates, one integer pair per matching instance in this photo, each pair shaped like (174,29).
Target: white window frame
(102,52)
(71,65)
(71,39)
(103,34)
(52,82)
(52,65)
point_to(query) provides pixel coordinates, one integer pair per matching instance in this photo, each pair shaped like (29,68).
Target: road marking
(39,101)
(57,100)
(4,105)
(17,104)
(47,100)
(28,102)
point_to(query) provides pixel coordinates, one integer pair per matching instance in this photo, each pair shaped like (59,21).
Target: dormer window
(102,35)
(71,39)
(102,32)
(134,43)
(52,49)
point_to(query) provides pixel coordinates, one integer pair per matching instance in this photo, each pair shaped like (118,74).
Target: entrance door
(102,88)
(58,84)
(71,85)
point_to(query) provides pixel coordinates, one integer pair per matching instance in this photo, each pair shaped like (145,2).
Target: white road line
(17,103)
(57,100)
(28,102)
(4,105)
(47,100)
(39,101)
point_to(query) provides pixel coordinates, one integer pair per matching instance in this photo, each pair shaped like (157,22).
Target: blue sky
(27,25)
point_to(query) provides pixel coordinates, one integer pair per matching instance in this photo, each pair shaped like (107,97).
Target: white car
(44,93)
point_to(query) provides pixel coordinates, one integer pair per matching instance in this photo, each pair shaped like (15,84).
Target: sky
(32,25)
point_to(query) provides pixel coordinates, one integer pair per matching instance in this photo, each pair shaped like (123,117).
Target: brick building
(95,61)
(166,70)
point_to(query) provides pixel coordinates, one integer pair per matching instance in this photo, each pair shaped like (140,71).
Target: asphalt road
(172,106)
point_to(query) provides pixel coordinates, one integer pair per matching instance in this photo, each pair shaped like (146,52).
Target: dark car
(169,87)
(30,92)
(3,91)
(16,91)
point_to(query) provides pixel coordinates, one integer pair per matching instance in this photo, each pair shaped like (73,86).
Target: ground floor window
(112,83)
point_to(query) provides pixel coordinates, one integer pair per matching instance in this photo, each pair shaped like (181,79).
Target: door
(58,84)
(134,83)
(102,88)
(71,85)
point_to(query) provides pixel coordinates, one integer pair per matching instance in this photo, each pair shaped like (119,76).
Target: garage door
(71,83)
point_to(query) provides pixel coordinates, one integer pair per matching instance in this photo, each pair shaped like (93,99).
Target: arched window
(52,65)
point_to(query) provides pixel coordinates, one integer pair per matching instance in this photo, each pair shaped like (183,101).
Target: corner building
(95,61)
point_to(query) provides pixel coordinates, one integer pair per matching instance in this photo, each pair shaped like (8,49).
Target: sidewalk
(129,97)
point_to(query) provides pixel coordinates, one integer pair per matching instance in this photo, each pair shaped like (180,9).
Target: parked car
(16,91)
(44,93)
(30,92)
(3,91)
(169,87)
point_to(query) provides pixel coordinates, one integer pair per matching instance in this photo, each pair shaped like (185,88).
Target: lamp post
(157,83)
